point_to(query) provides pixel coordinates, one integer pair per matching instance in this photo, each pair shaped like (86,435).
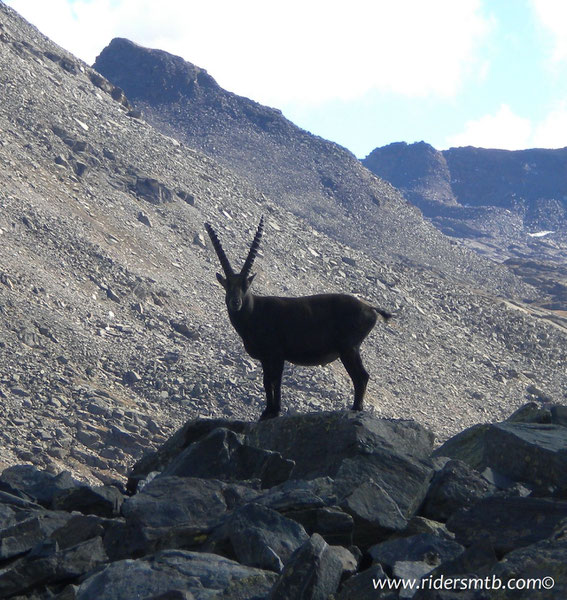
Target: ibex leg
(353,364)
(272,385)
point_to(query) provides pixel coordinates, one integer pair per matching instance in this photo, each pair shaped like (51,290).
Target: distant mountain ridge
(510,206)
(530,185)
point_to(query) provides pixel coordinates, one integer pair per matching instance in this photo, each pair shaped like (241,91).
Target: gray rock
(320,442)
(363,586)
(313,572)
(186,197)
(184,330)
(47,564)
(39,485)
(559,415)
(532,412)
(474,563)
(80,528)
(152,190)
(104,501)
(143,218)
(201,574)
(425,548)
(174,501)
(508,523)
(193,431)
(532,453)
(333,524)
(223,455)
(112,295)
(456,486)
(410,571)
(7,516)
(131,377)
(544,563)
(199,240)
(173,595)
(298,494)
(90,439)
(380,467)
(420,524)
(262,538)
(32,528)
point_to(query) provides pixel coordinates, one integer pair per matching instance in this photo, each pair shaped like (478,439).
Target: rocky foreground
(322,505)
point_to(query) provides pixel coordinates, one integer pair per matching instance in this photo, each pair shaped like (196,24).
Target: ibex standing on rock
(309,330)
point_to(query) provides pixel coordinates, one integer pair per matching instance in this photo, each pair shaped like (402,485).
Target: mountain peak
(166,77)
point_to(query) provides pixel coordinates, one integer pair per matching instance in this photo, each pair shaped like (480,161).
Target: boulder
(175,501)
(48,564)
(508,523)
(456,485)
(80,528)
(366,586)
(31,528)
(223,455)
(193,431)
(381,468)
(312,503)
(424,548)
(532,453)
(36,484)
(152,190)
(313,572)
(104,501)
(334,525)
(261,537)
(318,443)
(201,574)
(544,564)
(475,562)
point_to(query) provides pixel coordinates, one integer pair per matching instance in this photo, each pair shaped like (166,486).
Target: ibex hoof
(269,414)
(357,407)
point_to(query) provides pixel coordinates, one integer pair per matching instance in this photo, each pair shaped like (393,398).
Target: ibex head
(236,285)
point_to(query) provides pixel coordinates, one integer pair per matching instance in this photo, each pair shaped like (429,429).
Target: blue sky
(489,73)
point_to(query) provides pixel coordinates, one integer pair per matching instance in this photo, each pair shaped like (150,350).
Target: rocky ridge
(325,505)
(310,177)
(113,325)
(507,205)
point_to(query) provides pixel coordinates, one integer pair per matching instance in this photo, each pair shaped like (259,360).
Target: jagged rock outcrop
(203,537)
(508,205)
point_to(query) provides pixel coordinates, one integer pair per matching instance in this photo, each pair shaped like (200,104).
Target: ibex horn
(220,252)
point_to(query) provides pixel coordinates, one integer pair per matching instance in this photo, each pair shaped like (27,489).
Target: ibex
(309,330)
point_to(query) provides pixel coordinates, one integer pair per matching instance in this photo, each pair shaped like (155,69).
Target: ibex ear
(250,280)
(221,280)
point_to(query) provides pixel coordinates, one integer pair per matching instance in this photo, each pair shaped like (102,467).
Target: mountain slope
(314,178)
(113,329)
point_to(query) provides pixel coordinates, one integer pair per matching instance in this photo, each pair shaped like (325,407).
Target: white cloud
(508,131)
(552,15)
(503,129)
(552,131)
(293,51)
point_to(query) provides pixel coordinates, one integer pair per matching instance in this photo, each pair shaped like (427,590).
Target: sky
(363,73)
